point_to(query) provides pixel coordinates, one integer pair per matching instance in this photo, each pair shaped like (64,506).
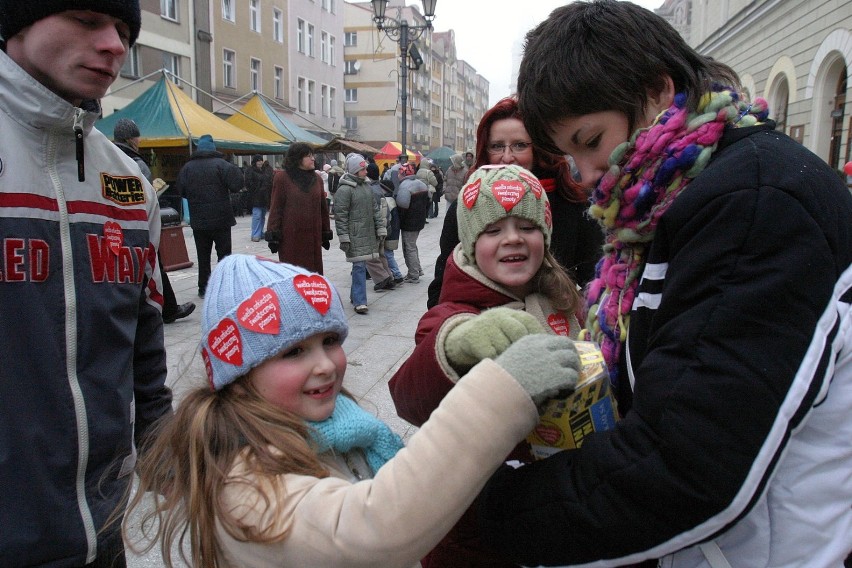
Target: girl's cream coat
(394,519)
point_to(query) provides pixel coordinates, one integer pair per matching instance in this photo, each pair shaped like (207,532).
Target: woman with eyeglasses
(502,138)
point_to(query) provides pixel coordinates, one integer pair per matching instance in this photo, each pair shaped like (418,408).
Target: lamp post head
(379,7)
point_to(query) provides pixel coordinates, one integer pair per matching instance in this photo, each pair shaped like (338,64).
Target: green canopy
(168,118)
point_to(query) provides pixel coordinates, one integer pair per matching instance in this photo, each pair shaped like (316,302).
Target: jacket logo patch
(124,190)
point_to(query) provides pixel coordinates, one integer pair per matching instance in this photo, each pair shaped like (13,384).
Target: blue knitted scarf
(350,427)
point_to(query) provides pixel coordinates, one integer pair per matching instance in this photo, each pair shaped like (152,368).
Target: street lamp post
(403,33)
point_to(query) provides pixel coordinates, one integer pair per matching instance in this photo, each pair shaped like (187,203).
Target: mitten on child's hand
(488,335)
(543,364)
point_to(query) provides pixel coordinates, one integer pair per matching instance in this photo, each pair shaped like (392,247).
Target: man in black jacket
(206,181)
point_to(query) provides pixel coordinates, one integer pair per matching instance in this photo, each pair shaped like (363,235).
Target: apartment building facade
(445,95)
(222,51)
(797,54)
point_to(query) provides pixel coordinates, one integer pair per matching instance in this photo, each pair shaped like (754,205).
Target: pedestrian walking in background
(439,189)
(503,270)
(360,226)
(298,227)
(270,462)
(84,365)
(335,172)
(378,269)
(425,173)
(722,306)
(412,200)
(258,180)
(207,181)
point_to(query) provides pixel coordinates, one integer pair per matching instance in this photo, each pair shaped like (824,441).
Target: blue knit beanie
(205,144)
(256,308)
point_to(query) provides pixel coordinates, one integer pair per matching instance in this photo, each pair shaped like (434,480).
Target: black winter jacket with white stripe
(738,358)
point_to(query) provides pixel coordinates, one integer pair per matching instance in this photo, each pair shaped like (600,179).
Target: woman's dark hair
(295,153)
(606,55)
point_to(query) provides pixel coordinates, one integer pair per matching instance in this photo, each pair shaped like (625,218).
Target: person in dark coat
(412,199)
(207,181)
(298,216)
(259,186)
(439,190)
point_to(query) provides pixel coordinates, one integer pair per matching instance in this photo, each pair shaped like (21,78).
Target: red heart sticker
(508,192)
(534,184)
(559,324)
(114,236)
(261,312)
(470,193)
(225,342)
(548,216)
(315,290)
(550,434)
(208,367)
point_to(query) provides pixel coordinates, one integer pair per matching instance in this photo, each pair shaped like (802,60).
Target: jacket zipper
(78,139)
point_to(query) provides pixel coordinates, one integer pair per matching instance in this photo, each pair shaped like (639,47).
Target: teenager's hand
(545,365)
(487,335)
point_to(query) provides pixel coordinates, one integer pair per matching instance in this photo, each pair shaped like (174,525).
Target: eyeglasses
(514,148)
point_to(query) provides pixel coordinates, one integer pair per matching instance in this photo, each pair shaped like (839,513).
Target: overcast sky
(487,32)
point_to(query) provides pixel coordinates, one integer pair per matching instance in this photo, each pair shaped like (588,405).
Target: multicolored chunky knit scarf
(349,427)
(646,175)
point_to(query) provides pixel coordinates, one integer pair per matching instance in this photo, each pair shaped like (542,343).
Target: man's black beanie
(15,15)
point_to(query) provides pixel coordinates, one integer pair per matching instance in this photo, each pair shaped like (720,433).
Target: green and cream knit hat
(498,191)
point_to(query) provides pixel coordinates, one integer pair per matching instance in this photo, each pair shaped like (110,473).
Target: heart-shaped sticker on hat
(559,324)
(533,182)
(470,192)
(261,313)
(114,236)
(508,192)
(208,366)
(315,290)
(225,342)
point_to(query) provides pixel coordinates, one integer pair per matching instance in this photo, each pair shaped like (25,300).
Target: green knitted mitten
(487,335)
(545,365)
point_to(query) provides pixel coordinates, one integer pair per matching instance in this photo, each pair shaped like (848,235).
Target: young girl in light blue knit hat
(272,463)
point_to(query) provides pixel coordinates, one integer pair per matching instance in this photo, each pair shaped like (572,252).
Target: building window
(331,50)
(324,99)
(350,123)
(278,25)
(324,47)
(279,82)
(171,63)
(300,35)
(328,5)
(228,58)
(350,96)
(311,93)
(254,67)
(350,39)
(310,40)
(332,95)
(254,15)
(169,9)
(300,94)
(350,67)
(131,64)
(228,11)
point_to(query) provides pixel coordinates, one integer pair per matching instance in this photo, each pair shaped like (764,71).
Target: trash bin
(172,243)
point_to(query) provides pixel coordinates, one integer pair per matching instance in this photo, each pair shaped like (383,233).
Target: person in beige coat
(273,464)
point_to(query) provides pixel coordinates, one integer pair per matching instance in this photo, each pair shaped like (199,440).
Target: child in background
(503,270)
(264,465)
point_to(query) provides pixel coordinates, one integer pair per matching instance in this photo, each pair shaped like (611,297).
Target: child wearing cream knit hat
(495,192)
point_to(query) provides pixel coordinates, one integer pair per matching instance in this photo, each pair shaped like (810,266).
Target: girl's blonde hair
(554,282)
(186,461)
